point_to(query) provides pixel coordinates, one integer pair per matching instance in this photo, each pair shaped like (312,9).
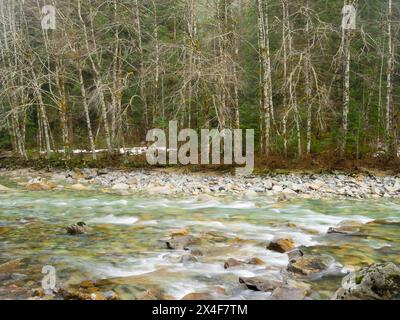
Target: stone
(277,189)
(120,186)
(78,187)
(265,284)
(198,296)
(180,232)
(380,281)
(289,192)
(10,265)
(4,188)
(288,293)
(281,245)
(39,185)
(188,258)
(151,294)
(308,265)
(256,261)
(346,227)
(76,229)
(230,263)
(181,242)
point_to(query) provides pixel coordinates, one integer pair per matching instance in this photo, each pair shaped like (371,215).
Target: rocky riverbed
(162,182)
(166,235)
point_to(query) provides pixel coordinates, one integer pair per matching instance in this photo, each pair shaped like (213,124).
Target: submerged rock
(180,232)
(379,281)
(39,185)
(151,294)
(281,245)
(346,227)
(288,293)
(230,263)
(188,258)
(198,296)
(10,265)
(78,187)
(182,242)
(308,265)
(78,228)
(265,284)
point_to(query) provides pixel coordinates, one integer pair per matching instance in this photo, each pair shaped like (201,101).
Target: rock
(255,261)
(120,186)
(78,187)
(198,296)
(281,245)
(289,192)
(188,258)
(181,242)
(250,194)
(316,185)
(4,188)
(110,295)
(379,281)
(180,232)
(265,284)
(230,263)
(308,265)
(10,265)
(295,254)
(39,185)
(291,291)
(277,189)
(18,276)
(151,294)
(196,252)
(81,294)
(78,228)
(346,227)
(77,175)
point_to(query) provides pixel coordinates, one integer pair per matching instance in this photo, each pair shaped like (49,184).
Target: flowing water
(126,241)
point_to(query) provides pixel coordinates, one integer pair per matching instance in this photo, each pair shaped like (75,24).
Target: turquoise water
(125,246)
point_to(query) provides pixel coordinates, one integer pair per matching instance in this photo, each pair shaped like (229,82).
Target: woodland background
(112,69)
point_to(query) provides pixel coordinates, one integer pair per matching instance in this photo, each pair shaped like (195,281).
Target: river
(125,246)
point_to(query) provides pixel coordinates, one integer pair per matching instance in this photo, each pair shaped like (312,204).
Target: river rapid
(125,251)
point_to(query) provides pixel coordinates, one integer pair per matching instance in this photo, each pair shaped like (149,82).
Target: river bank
(172,182)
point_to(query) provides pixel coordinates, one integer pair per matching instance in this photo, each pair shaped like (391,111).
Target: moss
(359,279)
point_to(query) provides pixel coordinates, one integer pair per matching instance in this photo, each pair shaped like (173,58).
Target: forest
(107,71)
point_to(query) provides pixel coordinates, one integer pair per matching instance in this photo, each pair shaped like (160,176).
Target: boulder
(288,293)
(308,265)
(120,186)
(379,281)
(281,245)
(346,227)
(256,261)
(188,258)
(39,185)
(230,263)
(10,265)
(181,242)
(265,284)
(78,187)
(180,232)
(198,296)
(76,229)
